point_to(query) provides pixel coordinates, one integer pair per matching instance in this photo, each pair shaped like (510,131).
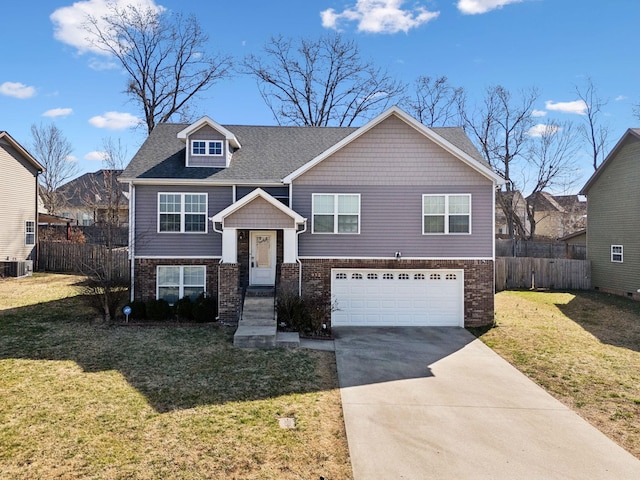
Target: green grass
(582,347)
(81,399)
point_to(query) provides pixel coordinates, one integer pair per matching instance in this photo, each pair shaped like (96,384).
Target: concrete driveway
(435,403)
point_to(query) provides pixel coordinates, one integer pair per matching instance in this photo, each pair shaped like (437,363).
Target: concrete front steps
(257,327)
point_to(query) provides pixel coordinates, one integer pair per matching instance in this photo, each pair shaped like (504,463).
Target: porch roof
(258,193)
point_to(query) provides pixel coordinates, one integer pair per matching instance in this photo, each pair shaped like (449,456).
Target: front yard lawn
(583,348)
(81,399)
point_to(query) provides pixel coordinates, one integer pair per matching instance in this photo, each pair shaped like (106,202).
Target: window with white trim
(336,213)
(174,282)
(206,147)
(616,253)
(182,212)
(29,232)
(446,214)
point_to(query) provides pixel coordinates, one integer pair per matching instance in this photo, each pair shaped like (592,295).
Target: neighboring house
(392,221)
(576,238)
(86,198)
(557,216)
(517,203)
(613,243)
(18,200)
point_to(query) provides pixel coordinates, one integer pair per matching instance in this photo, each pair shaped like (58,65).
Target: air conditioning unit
(17,268)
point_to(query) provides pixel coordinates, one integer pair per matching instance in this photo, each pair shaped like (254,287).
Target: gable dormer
(208,144)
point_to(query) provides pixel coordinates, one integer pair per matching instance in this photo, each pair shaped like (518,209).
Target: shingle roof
(268,153)
(90,188)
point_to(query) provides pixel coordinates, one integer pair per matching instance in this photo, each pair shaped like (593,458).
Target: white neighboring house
(19,172)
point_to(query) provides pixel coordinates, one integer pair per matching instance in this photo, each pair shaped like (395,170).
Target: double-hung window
(174,282)
(206,147)
(446,214)
(30,232)
(616,253)
(336,213)
(182,212)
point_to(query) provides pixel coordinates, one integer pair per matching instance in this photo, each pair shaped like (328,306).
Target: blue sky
(48,74)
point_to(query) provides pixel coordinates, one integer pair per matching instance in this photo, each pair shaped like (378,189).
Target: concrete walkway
(435,403)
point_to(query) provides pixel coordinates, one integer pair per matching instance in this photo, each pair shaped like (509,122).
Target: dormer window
(208,144)
(206,147)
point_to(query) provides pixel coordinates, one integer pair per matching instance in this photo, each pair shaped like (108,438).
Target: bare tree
(106,286)
(164,55)
(500,128)
(436,103)
(593,131)
(320,82)
(551,160)
(53,151)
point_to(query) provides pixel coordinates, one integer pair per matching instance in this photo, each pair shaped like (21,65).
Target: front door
(262,258)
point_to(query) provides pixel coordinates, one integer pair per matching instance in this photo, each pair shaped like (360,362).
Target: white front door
(262,258)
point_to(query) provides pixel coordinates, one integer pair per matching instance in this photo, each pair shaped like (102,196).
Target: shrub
(138,310)
(318,313)
(158,309)
(290,308)
(184,308)
(205,308)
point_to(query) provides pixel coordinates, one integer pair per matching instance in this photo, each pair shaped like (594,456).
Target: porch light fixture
(241,235)
(398,255)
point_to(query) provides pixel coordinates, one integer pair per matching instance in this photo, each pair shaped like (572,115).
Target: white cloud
(619,98)
(98,64)
(577,107)
(58,112)
(17,90)
(68,22)
(114,121)
(96,156)
(474,7)
(378,16)
(538,113)
(543,129)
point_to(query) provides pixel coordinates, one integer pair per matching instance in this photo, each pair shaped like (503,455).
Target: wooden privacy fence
(529,248)
(553,273)
(81,258)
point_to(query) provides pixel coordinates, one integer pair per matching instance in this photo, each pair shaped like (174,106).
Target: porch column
(229,245)
(290,246)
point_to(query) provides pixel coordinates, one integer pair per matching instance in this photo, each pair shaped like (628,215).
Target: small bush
(308,315)
(184,309)
(291,309)
(205,309)
(138,310)
(158,309)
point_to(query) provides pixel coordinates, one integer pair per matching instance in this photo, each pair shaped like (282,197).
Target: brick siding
(478,281)
(145,275)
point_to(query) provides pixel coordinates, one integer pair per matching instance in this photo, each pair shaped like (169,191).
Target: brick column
(228,292)
(289,277)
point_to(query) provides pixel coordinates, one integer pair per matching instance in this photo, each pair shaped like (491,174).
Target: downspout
(298,259)
(35,254)
(219,263)
(132,216)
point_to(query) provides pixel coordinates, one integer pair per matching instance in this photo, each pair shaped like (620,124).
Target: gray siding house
(613,219)
(18,200)
(392,221)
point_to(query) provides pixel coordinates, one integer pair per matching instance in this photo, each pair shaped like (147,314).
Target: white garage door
(370,297)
